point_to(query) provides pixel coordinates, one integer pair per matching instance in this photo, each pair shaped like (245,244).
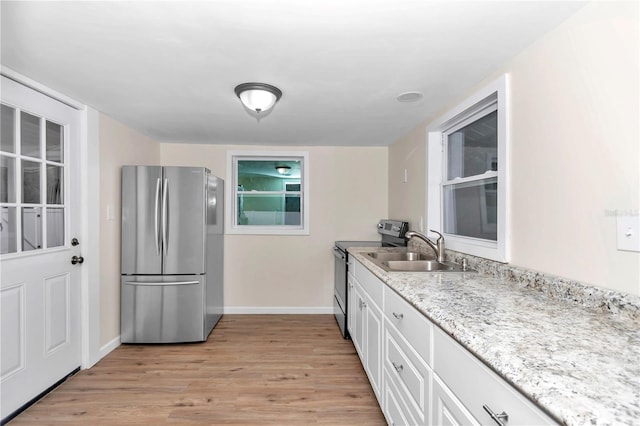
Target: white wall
(295,273)
(119,145)
(575,155)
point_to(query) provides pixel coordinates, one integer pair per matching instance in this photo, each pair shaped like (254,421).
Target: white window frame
(495,250)
(231,206)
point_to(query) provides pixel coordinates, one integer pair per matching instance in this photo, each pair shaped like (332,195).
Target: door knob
(77,259)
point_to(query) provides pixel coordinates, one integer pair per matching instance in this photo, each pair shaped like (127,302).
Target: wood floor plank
(253,369)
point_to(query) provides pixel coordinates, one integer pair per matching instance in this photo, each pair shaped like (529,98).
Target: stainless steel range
(392,235)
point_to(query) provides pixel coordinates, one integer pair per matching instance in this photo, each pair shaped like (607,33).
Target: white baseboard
(255,310)
(104,350)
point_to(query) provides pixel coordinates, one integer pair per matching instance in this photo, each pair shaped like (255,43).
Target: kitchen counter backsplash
(588,296)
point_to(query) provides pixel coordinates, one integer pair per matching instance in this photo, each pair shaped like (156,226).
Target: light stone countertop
(580,365)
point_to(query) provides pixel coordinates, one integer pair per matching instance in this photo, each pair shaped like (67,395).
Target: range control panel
(393,228)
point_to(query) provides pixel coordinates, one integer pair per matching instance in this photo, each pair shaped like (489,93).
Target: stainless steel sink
(419,265)
(412,262)
(406,256)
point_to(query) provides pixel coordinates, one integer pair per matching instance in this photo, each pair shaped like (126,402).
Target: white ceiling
(168,69)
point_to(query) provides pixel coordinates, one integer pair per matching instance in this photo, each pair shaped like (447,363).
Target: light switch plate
(628,232)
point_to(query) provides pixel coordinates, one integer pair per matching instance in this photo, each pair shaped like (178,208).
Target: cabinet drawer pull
(498,418)
(397,367)
(398,316)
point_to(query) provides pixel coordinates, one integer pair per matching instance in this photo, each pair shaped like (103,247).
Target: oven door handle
(339,253)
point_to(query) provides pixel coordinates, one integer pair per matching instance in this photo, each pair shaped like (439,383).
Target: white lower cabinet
(409,374)
(480,389)
(396,411)
(367,325)
(420,375)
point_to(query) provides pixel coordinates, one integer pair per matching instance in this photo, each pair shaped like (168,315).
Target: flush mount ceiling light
(409,97)
(283,170)
(258,98)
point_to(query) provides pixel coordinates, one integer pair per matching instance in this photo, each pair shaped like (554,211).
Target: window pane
(55,227)
(31,228)
(471,209)
(263,175)
(8,235)
(55,185)
(473,149)
(30,135)
(30,182)
(7,179)
(7,139)
(269,210)
(55,151)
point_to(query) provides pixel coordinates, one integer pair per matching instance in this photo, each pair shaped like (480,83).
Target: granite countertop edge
(572,374)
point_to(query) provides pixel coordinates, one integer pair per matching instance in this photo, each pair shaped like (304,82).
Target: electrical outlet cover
(628,232)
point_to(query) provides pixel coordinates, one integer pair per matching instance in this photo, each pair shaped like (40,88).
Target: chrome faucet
(438,247)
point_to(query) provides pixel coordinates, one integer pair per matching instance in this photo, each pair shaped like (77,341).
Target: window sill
(263,230)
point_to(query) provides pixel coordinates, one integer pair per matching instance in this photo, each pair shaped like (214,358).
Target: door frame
(89,215)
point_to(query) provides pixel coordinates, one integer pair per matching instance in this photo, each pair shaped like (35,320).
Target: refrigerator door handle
(161,283)
(165,216)
(157,212)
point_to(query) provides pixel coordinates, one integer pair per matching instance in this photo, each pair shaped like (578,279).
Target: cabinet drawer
(476,385)
(350,264)
(396,411)
(411,323)
(409,373)
(447,410)
(371,284)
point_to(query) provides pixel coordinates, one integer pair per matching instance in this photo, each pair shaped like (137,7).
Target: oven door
(340,290)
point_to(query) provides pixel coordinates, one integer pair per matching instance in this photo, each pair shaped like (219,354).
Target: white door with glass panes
(39,238)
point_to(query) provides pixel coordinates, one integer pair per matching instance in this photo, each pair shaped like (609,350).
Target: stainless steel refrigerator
(172,254)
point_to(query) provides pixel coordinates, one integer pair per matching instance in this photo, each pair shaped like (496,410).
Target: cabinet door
(447,410)
(373,345)
(352,306)
(358,323)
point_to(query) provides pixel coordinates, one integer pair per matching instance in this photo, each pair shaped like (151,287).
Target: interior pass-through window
(270,193)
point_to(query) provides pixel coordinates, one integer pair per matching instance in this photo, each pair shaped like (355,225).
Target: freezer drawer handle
(161,283)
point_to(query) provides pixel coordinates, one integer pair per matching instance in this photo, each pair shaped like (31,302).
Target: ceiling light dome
(258,98)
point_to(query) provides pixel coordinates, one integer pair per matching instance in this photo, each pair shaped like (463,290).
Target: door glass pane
(31,228)
(7,179)
(8,236)
(55,184)
(473,149)
(7,141)
(269,209)
(55,227)
(30,182)
(55,150)
(30,135)
(471,209)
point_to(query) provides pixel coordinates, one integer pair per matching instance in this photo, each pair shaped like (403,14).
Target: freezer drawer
(162,309)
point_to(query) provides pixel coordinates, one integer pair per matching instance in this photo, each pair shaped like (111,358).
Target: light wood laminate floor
(254,369)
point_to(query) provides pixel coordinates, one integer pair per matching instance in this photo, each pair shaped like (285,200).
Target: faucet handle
(440,236)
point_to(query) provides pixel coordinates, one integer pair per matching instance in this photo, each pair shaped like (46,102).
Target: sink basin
(412,262)
(407,256)
(419,265)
